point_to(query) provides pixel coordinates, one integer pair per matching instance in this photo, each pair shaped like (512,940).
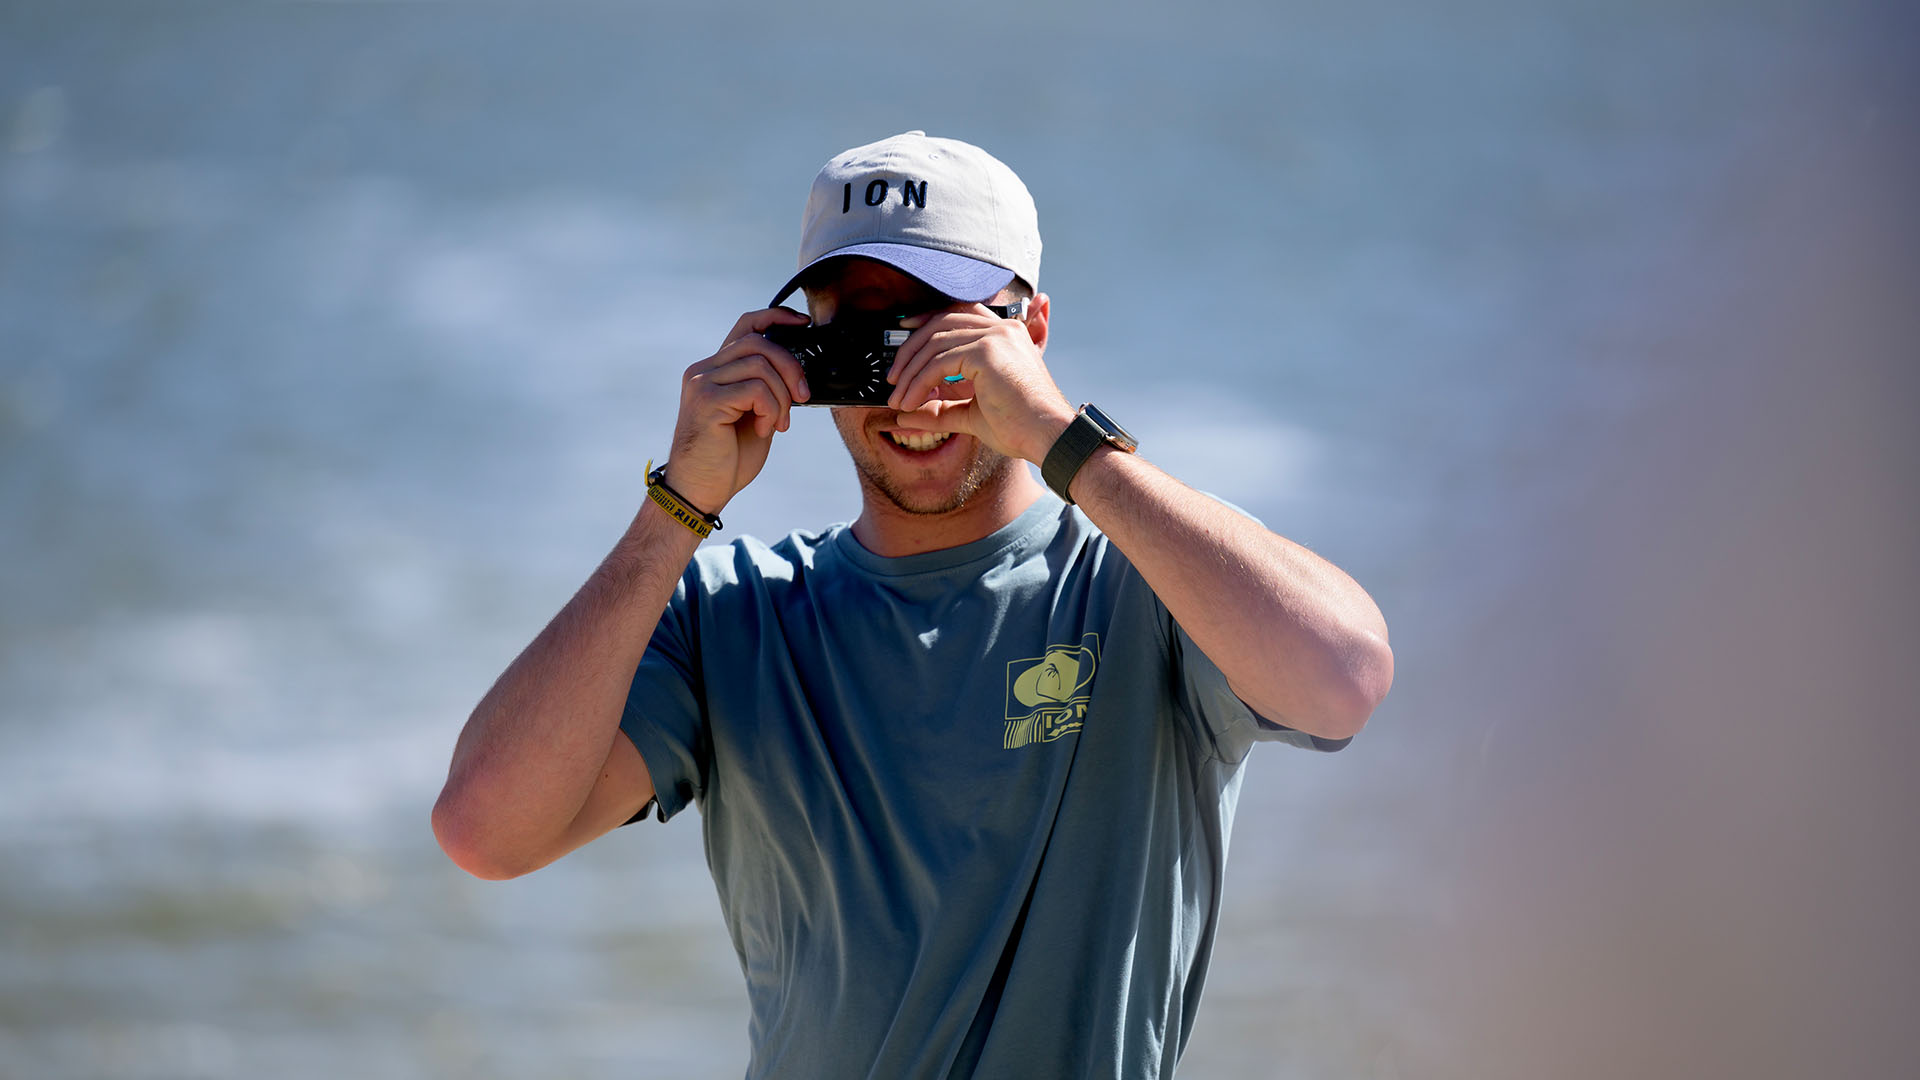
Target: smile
(919,440)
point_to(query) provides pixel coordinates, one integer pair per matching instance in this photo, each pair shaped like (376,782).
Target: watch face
(1120,437)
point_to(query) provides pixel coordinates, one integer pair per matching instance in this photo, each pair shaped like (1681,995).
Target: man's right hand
(542,766)
(731,404)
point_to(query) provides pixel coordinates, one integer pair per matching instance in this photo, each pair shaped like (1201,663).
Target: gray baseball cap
(944,211)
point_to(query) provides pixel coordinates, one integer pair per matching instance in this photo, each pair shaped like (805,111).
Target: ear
(1039,310)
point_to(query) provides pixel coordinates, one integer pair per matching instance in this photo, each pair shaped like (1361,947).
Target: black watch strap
(1070,451)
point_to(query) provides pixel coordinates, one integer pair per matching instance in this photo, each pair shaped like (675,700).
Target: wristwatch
(1090,429)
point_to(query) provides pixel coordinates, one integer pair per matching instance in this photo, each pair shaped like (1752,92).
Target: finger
(926,347)
(940,415)
(947,356)
(958,307)
(779,404)
(978,311)
(784,362)
(785,367)
(937,320)
(749,400)
(908,349)
(753,367)
(725,407)
(756,322)
(781,364)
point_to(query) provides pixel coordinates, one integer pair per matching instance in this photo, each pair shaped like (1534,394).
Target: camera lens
(838,374)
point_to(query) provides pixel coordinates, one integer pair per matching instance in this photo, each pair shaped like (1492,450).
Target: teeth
(918,440)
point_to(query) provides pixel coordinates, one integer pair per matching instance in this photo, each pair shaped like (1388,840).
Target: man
(967,767)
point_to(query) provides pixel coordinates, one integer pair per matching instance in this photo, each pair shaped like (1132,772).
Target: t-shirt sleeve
(1231,722)
(664,714)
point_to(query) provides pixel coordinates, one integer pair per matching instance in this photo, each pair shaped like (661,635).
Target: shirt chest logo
(1047,695)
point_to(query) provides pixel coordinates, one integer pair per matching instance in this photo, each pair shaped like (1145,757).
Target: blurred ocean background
(334,337)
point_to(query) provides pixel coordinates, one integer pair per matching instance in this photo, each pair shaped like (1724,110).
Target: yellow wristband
(676,507)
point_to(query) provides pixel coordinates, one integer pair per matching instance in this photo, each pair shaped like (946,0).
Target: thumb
(938,415)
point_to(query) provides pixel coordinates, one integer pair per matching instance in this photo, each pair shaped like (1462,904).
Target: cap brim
(954,276)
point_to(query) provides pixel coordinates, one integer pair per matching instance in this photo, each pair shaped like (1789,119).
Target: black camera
(846,361)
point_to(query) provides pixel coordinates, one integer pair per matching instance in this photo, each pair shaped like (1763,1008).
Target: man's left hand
(1004,396)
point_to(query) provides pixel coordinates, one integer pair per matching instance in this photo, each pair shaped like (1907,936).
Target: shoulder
(749,562)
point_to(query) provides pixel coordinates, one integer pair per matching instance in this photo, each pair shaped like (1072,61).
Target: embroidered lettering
(876,193)
(910,196)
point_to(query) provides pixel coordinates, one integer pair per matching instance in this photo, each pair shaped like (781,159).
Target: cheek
(848,425)
(852,422)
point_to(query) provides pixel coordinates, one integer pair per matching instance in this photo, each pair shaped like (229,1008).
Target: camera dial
(845,361)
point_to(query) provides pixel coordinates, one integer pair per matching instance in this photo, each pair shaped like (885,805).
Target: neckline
(1021,531)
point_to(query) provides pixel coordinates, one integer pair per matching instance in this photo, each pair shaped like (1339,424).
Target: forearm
(1298,639)
(531,752)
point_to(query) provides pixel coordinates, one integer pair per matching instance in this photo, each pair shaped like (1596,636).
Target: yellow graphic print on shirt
(1047,695)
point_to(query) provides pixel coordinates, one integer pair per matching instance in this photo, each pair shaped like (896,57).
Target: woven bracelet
(676,504)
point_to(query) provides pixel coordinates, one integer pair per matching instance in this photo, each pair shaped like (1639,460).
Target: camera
(846,361)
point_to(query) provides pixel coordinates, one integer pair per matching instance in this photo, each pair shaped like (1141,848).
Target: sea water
(334,339)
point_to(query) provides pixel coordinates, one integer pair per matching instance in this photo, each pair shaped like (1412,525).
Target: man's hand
(731,404)
(1004,396)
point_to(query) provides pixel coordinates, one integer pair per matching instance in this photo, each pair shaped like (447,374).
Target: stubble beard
(985,466)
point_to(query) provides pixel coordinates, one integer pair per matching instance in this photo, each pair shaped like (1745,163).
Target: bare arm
(1298,639)
(542,765)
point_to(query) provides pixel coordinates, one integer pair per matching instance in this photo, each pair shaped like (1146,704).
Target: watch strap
(1070,451)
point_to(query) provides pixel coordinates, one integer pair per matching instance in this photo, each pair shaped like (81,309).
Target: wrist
(701,498)
(677,505)
(1090,431)
(655,528)
(1047,430)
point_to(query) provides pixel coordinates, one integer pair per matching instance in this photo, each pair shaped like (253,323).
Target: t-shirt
(967,811)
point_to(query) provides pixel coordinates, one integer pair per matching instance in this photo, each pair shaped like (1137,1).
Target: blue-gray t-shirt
(967,811)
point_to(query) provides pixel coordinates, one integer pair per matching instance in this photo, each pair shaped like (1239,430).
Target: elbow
(1340,717)
(1373,669)
(1367,676)
(464,837)
(1350,687)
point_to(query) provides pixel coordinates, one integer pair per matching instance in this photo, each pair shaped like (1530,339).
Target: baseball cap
(944,211)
